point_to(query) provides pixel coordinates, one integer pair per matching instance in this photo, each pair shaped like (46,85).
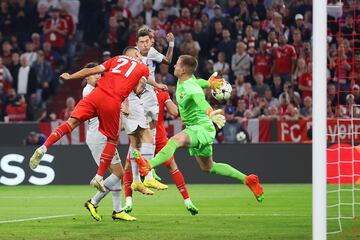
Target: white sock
(134,166)
(108,182)
(187,200)
(147,151)
(128,201)
(116,195)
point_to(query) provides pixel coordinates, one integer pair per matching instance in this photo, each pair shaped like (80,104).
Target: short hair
(143,32)
(189,62)
(128,49)
(91,65)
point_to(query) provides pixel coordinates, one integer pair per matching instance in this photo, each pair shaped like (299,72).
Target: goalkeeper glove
(215,83)
(216,117)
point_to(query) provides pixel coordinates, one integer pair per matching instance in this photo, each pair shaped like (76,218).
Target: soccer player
(121,75)
(96,142)
(198,136)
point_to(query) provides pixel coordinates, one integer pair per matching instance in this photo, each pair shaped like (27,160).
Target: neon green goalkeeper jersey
(192,104)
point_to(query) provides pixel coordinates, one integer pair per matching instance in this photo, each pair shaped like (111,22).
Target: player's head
(132,52)
(144,40)
(92,79)
(185,65)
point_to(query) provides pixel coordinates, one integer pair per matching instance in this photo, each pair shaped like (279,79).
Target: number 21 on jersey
(122,62)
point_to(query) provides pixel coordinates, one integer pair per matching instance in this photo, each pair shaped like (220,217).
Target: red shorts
(159,146)
(107,109)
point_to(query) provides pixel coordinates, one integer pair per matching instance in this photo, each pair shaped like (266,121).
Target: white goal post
(319,194)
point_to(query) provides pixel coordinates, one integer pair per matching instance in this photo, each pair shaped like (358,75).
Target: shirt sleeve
(154,55)
(106,65)
(146,72)
(197,94)
(204,84)
(201,102)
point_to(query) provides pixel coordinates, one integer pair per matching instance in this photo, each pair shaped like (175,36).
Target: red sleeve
(47,24)
(293,52)
(107,64)
(146,72)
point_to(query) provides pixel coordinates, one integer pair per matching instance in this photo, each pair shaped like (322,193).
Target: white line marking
(227,215)
(37,218)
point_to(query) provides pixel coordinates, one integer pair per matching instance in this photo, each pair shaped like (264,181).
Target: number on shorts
(122,62)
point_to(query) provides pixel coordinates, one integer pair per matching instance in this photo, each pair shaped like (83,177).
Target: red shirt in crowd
(306,80)
(16,113)
(262,64)
(56,39)
(185,24)
(283,58)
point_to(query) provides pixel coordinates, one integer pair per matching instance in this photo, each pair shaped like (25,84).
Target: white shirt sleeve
(87,89)
(155,56)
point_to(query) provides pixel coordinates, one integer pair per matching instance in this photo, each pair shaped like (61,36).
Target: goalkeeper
(199,134)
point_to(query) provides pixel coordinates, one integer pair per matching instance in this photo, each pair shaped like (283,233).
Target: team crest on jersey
(182,95)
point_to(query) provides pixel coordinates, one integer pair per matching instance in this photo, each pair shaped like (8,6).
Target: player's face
(179,69)
(144,44)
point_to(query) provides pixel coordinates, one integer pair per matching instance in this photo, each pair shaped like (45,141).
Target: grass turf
(226,212)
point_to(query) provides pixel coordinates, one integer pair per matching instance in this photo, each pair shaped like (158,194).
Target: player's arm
(139,88)
(212,82)
(172,108)
(157,85)
(215,115)
(169,54)
(83,73)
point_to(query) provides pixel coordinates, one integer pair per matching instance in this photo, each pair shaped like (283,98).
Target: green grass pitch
(227,211)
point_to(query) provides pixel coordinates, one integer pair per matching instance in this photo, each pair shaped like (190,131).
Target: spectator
(260,87)
(41,17)
(25,82)
(52,57)
(66,112)
(284,59)
(299,24)
(305,82)
(166,77)
(6,53)
(297,41)
(30,53)
(240,109)
(306,110)
(232,9)
(200,35)
(171,10)
(16,110)
(238,31)
(56,30)
(44,75)
(299,70)
(232,126)
(222,67)
(244,11)
(6,19)
(241,62)
(356,93)
(164,24)
(258,8)
(34,138)
(258,33)
(15,64)
(209,8)
(71,31)
(239,85)
(148,12)
(215,38)
(261,110)
(218,16)
(284,102)
(185,21)
(273,102)
(250,40)
(6,78)
(189,46)
(262,62)
(36,41)
(227,45)
(276,86)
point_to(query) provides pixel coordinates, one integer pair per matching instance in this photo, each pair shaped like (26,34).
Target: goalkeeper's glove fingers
(214,82)
(217,118)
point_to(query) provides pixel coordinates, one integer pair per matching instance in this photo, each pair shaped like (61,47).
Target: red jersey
(54,38)
(122,74)
(306,80)
(163,97)
(262,64)
(283,57)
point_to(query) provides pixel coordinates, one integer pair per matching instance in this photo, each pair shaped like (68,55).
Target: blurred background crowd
(262,47)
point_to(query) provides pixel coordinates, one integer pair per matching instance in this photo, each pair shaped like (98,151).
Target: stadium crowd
(262,47)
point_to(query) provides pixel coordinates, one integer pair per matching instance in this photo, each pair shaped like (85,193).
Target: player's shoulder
(191,86)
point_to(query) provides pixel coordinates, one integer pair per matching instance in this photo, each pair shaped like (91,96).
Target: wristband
(172,44)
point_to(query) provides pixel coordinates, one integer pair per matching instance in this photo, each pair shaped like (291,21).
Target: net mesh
(343,154)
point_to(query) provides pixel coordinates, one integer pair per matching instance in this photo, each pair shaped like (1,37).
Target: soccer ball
(223,93)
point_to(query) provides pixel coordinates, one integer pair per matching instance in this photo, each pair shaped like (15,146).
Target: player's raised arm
(156,85)
(83,73)
(169,54)
(172,108)
(212,82)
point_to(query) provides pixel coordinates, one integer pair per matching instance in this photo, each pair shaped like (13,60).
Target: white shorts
(150,103)
(136,117)
(96,142)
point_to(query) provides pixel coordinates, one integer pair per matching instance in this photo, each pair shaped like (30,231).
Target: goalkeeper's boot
(128,208)
(98,183)
(93,210)
(252,181)
(141,188)
(37,156)
(144,166)
(153,183)
(157,177)
(122,215)
(191,208)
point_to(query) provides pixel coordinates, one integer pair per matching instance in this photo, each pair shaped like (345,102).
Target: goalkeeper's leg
(252,181)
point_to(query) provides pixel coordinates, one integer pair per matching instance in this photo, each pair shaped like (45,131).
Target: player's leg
(181,139)
(207,164)
(147,150)
(128,179)
(179,181)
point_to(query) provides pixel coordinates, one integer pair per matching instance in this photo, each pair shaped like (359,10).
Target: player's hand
(170,37)
(217,118)
(215,83)
(162,86)
(65,76)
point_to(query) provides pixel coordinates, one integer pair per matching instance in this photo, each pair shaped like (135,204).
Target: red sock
(106,157)
(178,179)
(127,179)
(60,131)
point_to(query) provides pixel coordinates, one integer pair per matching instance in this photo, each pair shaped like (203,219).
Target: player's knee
(205,168)
(179,140)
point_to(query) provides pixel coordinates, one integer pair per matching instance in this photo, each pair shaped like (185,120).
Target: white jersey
(152,57)
(93,122)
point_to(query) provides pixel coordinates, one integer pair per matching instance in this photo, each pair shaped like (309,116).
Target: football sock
(106,157)
(179,181)
(108,182)
(165,153)
(127,179)
(116,195)
(227,171)
(134,166)
(60,131)
(147,151)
